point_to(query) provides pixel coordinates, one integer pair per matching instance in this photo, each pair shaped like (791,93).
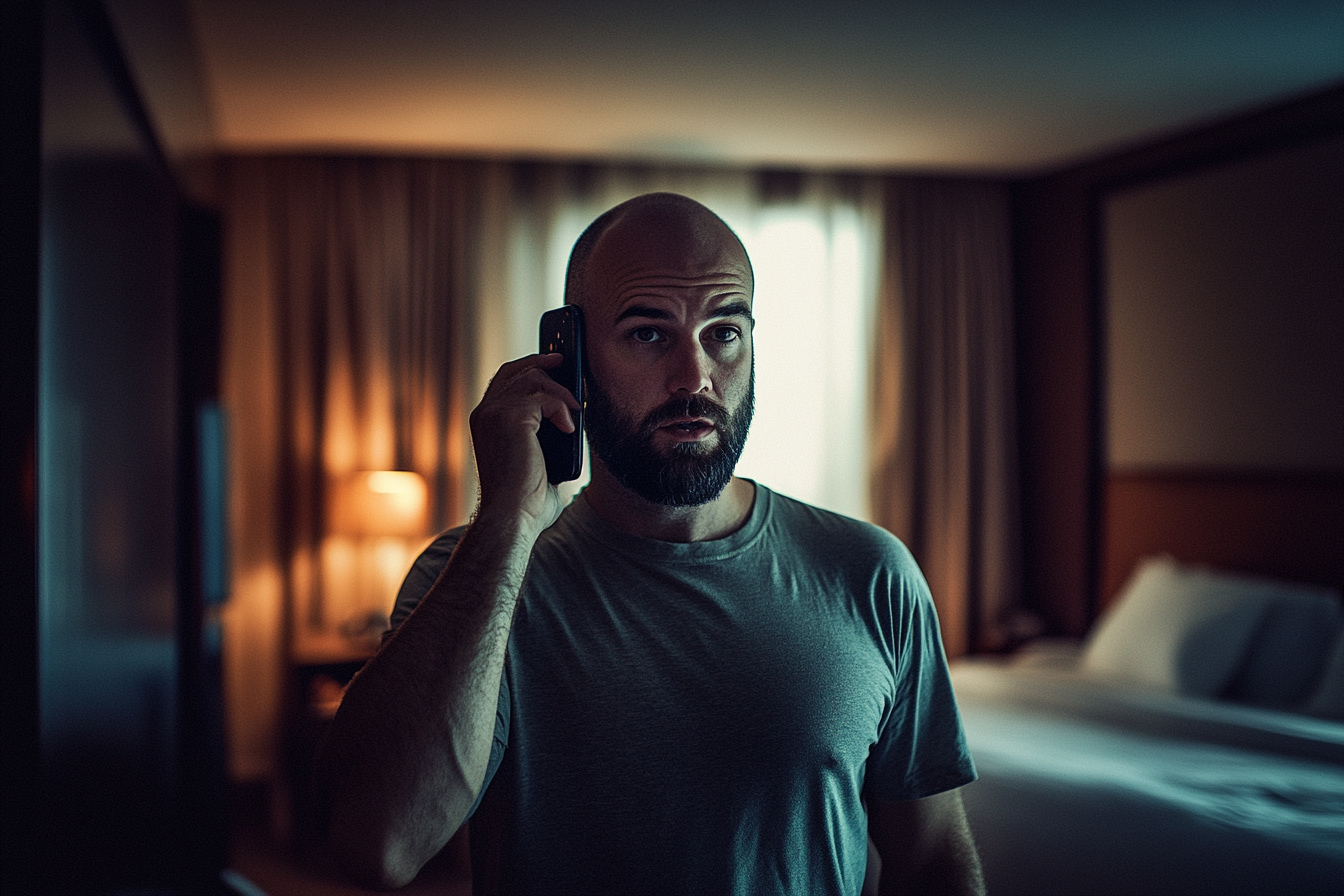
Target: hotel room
(1070,278)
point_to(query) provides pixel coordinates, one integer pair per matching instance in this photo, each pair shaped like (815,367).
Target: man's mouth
(686,420)
(692,427)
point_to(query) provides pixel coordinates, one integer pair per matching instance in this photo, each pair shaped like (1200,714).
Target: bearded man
(682,683)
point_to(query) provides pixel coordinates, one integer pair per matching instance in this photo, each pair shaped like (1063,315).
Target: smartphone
(562,331)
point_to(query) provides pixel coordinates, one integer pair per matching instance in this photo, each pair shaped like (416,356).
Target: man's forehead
(683,241)
(728,303)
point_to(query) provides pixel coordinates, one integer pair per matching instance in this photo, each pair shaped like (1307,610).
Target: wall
(130,789)
(1058,258)
(1224,292)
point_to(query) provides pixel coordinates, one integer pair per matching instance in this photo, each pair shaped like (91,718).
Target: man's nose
(690,368)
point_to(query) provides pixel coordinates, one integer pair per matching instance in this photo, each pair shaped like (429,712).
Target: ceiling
(987,86)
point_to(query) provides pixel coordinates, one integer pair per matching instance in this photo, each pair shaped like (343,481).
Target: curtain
(943,458)
(346,284)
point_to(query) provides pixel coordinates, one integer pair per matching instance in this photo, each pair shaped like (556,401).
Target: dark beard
(691,474)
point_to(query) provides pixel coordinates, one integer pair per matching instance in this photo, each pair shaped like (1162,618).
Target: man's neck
(635,515)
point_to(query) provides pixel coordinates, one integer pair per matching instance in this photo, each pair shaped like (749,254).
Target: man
(687,683)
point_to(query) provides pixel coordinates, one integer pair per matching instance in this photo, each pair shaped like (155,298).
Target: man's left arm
(925,846)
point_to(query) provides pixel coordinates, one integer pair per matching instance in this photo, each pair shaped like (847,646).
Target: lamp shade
(380,502)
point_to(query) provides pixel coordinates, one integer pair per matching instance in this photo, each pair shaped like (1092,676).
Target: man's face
(668,326)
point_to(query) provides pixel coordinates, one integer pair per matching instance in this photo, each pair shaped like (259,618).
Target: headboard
(1284,525)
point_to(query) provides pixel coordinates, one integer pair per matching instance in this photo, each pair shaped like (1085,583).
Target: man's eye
(645,334)
(725,334)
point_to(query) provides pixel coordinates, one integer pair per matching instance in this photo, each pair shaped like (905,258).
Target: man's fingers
(560,413)
(528,374)
(521,395)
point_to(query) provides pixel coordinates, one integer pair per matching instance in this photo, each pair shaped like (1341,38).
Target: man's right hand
(504,429)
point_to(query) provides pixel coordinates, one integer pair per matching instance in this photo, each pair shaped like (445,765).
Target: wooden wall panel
(1283,525)
(1058,398)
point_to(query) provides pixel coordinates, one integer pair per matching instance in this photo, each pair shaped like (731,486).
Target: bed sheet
(1076,797)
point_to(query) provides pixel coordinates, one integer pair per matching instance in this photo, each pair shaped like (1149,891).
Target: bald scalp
(682,227)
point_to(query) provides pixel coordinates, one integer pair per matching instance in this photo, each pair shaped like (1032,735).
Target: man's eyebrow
(732,309)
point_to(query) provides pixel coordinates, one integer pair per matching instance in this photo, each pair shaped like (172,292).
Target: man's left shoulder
(838,535)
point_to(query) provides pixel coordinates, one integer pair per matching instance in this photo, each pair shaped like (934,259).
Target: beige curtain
(346,284)
(943,459)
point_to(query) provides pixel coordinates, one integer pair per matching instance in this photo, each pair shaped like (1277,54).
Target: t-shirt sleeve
(423,573)
(921,749)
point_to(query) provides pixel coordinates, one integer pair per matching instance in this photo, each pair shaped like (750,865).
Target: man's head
(666,289)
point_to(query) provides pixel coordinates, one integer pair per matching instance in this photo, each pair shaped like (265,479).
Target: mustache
(691,406)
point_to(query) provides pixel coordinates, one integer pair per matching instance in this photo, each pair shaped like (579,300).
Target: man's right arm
(407,752)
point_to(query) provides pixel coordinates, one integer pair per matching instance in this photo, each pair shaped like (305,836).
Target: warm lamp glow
(380,502)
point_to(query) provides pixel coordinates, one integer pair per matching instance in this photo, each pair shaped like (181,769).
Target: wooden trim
(1282,524)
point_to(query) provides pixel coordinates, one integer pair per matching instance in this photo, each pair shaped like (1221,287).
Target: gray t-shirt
(707,717)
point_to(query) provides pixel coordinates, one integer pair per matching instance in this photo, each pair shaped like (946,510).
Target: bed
(1192,743)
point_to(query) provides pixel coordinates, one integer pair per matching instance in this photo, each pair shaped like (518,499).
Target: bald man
(682,682)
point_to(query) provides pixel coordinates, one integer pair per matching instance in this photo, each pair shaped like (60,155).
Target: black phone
(562,331)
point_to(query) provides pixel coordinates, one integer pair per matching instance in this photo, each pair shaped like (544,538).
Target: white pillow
(1179,629)
(1328,701)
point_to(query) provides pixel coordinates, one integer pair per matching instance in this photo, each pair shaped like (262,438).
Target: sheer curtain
(369,301)
(814,244)
(944,462)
